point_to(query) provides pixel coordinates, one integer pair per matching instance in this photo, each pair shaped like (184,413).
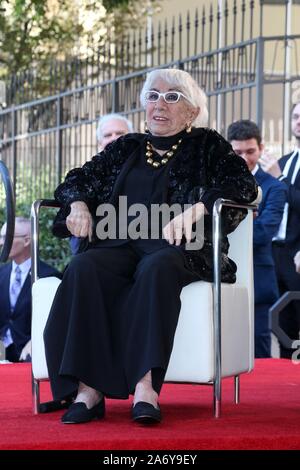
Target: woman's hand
(182,224)
(297,261)
(79,221)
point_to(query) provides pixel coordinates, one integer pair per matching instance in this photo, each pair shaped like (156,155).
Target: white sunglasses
(153,96)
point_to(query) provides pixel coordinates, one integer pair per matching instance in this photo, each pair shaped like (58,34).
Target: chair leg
(217,399)
(35,396)
(236,389)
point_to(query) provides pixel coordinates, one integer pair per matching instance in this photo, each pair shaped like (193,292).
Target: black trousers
(114,318)
(262,331)
(12,354)
(288,280)
(265,293)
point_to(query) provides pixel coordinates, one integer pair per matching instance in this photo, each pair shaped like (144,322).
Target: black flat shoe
(145,413)
(79,413)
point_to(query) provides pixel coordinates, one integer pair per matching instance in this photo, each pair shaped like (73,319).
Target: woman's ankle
(145,393)
(88,395)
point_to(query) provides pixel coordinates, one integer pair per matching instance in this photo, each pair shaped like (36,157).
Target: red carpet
(268,416)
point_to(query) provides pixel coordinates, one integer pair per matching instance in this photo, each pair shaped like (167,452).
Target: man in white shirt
(287,241)
(15,293)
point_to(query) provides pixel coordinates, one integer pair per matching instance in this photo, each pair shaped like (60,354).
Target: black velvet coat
(205,168)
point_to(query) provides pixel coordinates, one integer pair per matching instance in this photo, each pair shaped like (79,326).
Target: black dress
(119,321)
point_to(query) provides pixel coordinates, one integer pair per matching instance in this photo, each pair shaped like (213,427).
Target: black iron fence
(43,139)
(213,25)
(250,78)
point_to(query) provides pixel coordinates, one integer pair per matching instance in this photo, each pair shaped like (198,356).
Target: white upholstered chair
(215,332)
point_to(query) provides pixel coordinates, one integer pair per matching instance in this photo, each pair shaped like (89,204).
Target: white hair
(25,222)
(21,220)
(184,82)
(109,117)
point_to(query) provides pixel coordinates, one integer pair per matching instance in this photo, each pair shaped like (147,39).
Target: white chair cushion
(192,358)
(43,292)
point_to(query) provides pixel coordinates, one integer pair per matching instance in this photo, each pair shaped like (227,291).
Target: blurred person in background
(246,141)
(110,127)
(287,240)
(15,293)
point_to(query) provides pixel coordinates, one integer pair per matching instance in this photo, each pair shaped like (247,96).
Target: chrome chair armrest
(35,212)
(217,212)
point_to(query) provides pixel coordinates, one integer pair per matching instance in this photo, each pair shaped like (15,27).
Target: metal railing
(217,230)
(253,78)
(212,25)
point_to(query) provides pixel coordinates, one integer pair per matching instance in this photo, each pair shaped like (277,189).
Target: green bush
(31,185)
(53,250)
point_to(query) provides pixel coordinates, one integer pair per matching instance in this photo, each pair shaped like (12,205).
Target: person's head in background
(20,250)
(111,127)
(295,122)
(246,141)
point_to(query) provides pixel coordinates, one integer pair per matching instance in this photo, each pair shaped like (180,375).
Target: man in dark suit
(246,141)
(15,293)
(287,240)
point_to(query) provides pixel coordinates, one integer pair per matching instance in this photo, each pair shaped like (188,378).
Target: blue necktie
(15,288)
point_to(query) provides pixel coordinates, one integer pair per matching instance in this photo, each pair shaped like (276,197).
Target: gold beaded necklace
(166,156)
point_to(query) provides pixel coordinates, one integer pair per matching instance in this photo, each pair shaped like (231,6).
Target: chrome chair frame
(35,211)
(217,211)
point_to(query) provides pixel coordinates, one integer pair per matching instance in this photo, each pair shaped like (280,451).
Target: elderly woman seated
(112,324)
